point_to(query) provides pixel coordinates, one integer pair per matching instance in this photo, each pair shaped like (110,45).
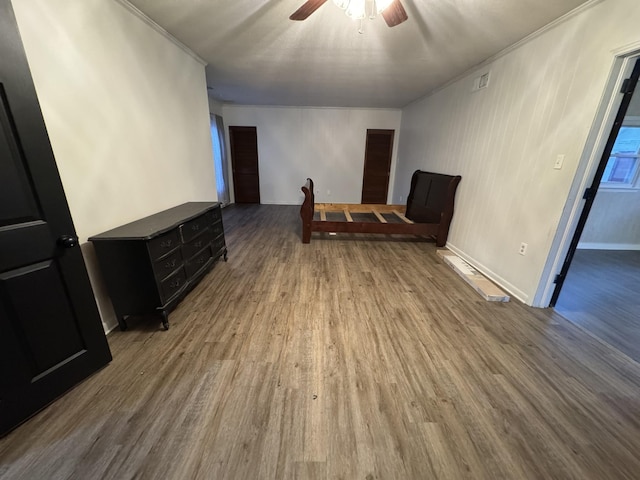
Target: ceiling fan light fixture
(382,4)
(356,9)
(392,10)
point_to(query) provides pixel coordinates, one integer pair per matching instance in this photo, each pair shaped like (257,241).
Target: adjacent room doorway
(377,166)
(618,166)
(598,285)
(243,142)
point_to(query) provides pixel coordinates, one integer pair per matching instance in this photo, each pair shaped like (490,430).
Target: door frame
(622,66)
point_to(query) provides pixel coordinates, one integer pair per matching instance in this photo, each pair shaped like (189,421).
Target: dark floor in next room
(602,295)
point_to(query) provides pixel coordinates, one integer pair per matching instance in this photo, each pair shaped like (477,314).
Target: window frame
(634,183)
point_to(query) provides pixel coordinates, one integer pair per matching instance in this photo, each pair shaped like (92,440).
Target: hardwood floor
(602,295)
(345,358)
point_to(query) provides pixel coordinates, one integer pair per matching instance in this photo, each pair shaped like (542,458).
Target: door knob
(68,241)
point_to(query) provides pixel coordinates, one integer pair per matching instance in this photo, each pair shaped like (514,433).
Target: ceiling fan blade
(306,9)
(394,14)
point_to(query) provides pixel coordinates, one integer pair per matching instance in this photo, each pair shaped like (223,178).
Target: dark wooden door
(244,161)
(377,165)
(51,336)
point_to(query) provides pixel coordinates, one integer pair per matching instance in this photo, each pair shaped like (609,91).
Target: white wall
(541,101)
(126,111)
(614,221)
(325,144)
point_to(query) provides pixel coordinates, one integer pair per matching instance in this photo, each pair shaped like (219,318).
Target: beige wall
(541,101)
(126,111)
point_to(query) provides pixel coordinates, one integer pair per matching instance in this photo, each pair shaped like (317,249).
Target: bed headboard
(431,197)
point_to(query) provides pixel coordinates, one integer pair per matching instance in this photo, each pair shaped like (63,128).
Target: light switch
(559,162)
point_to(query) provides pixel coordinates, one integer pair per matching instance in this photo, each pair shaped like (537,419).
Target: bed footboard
(306,211)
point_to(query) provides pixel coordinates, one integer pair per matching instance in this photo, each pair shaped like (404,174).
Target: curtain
(220,159)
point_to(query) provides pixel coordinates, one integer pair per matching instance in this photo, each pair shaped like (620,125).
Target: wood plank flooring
(602,295)
(343,359)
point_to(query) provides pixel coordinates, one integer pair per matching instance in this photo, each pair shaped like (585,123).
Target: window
(220,158)
(623,165)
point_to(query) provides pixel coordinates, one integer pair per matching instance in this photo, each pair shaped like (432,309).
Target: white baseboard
(607,246)
(501,282)
(281,202)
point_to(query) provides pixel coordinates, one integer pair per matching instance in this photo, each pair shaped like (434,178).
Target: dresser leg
(225,255)
(122,323)
(165,319)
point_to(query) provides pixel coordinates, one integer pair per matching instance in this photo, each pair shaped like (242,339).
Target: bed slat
(380,217)
(347,215)
(402,217)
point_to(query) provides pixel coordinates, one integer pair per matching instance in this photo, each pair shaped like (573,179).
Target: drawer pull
(160,246)
(171,264)
(176,283)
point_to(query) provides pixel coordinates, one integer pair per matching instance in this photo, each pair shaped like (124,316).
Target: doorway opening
(598,283)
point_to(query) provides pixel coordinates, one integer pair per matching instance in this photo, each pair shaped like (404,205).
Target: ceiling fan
(391,10)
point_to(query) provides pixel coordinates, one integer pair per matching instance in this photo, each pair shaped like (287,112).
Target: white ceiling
(257,56)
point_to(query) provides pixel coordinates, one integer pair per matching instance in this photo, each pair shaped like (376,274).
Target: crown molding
(142,16)
(627,50)
(541,31)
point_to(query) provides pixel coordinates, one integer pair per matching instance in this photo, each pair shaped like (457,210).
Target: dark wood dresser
(151,264)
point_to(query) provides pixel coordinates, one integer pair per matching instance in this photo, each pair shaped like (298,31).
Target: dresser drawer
(217,229)
(198,261)
(214,215)
(160,246)
(167,264)
(197,244)
(217,244)
(193,228)
(172,284)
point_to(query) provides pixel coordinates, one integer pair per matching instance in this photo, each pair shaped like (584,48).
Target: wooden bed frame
(428,212)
